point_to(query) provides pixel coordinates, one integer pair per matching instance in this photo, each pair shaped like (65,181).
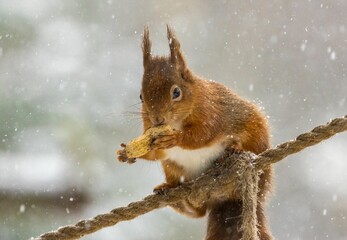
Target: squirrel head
(167,84)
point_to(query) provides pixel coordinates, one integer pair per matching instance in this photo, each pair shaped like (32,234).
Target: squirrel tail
(225,219)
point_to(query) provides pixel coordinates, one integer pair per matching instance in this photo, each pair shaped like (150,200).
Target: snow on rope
(230,171)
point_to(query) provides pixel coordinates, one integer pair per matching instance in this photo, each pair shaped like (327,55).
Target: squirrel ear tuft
(146,47)
(176,54)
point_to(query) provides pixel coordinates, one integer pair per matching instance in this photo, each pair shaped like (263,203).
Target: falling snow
(333,55)
(70,77)
(22,208)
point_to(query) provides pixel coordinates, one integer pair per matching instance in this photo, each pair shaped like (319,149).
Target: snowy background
(70,70)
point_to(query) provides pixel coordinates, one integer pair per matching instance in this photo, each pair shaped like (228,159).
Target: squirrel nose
(158,121)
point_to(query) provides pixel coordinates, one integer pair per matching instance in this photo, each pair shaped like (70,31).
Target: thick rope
(214,183)
(302,141)
(249,178)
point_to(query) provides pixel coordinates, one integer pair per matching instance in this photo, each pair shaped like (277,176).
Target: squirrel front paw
(122,157)
(168,140)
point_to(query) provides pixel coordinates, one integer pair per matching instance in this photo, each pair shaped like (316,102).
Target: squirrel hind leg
(186,208)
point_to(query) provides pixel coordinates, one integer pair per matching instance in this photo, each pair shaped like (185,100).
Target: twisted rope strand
(249,192)
(302,141)
(221,176)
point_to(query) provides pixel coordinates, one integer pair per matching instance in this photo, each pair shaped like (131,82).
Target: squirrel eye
(141,98)
(176,94)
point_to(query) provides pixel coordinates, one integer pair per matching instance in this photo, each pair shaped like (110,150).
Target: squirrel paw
(165,141)
(163,188)
(122,155)
(234,150)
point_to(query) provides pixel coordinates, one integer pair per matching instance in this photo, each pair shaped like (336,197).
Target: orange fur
(207,115)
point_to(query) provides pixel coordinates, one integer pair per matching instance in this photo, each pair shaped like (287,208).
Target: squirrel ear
(146,47)
(176,55)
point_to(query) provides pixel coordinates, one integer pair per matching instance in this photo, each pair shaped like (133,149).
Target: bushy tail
(224,221)
(225,217)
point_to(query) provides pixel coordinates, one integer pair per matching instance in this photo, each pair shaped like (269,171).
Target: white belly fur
(197,160)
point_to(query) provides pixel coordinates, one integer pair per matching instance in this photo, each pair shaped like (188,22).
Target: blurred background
(70,74)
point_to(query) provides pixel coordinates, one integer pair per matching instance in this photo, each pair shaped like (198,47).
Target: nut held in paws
(142,145)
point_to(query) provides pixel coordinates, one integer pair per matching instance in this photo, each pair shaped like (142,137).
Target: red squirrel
(208,118)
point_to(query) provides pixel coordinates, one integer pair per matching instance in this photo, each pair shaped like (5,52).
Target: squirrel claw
(233,150)
(162,189)
(166,141)
(122,155)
